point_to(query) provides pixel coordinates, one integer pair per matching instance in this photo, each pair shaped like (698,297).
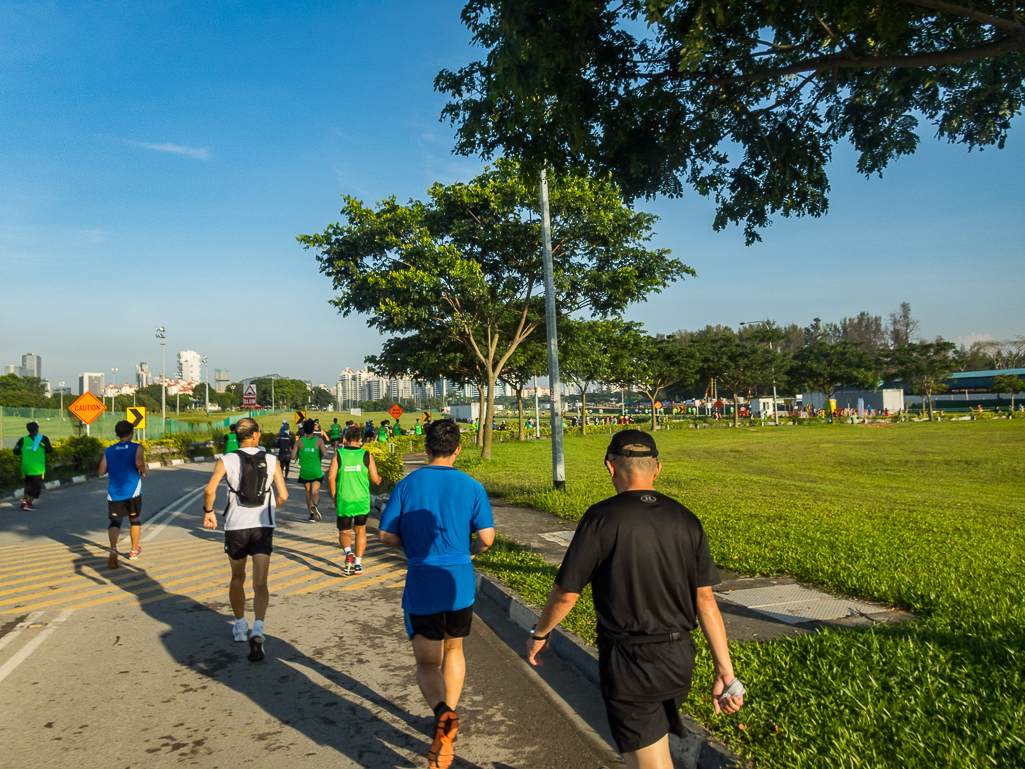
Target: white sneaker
(241,630)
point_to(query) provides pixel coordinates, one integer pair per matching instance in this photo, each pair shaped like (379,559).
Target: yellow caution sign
(137,417)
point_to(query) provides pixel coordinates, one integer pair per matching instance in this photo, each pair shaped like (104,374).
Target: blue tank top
(124,481)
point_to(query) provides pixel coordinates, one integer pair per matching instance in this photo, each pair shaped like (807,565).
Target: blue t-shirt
(123,476)
(434,510)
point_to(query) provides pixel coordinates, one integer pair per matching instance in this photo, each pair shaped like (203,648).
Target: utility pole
(558,458)
(537,412)
(113,388)
(61,386)
(163,382)
(206,382)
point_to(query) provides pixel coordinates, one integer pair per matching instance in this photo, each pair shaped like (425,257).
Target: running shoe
(27,506)
(441,754)
(312,520)
(133,554)
(357,569)
(316,513)
(255,647)
(350,559)
(112,559)
(240,631)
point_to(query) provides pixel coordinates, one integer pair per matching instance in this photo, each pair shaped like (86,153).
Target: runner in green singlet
(383,432)
(309,449)
(417,428)
(230,440)
(397,430)
(335,435)
(32,449)
(352,471)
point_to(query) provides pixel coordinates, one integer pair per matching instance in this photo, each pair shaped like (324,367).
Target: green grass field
(924,516)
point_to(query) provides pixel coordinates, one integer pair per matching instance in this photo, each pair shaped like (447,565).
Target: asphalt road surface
(137,667)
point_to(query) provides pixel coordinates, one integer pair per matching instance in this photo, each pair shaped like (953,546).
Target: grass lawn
(924,516)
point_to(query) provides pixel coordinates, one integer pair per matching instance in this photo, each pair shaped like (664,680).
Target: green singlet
(396,430)
(231,444)
(417,430)
(382,435)
(32,462)
(336,432)
(352,497)
(309,461)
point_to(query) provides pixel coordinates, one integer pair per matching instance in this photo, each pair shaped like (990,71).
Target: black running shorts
(637,725)
(310,480)
(125,508)
(33,486)
(238,543)
(434,627)
(346,522)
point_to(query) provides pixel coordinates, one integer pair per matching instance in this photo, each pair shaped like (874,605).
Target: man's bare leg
(361,541)
(345,538)
(261,594)
(654,756)
(237,588)
(136,531)
(453,669)
(113,534)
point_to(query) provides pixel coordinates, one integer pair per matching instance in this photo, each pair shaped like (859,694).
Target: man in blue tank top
(126,466)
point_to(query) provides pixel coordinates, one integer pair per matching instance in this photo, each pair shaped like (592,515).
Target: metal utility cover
(559,537)
(794,604)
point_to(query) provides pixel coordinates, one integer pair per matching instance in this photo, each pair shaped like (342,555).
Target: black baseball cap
(632,438)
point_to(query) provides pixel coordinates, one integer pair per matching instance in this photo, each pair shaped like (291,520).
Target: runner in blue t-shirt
(125,463)
(431,515)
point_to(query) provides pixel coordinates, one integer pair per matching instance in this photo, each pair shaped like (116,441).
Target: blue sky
(158,160)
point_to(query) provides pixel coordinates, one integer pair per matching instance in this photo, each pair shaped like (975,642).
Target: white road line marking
(172,511)
(8,667)
(19,628)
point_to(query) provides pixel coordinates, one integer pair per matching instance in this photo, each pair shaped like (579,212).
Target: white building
(222,378)
(91,382)
(190,365)
(143,376)
(31,365)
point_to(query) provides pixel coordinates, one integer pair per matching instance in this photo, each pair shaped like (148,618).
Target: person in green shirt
(32,449)
(348,479)
(383,432)
(417,428)
(230,440)
(308,451)
(397,430)
(335,435)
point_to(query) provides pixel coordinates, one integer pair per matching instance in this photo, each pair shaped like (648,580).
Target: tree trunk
(519,408)
(736,411)
(929,396)
(651,397)
(480,410)
(487,431)
(583,411)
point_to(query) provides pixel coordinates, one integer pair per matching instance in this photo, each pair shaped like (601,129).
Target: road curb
(49,485)
(698,749)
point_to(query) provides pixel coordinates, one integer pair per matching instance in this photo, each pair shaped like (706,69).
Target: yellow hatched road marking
(151,599)
(271,586)
(365,583)
(337,580)
(57,566)
(15,565)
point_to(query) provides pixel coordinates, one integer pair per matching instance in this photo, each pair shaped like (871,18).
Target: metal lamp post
(558,458)
(206,383)
(113,388)
(163,382)
(775,408)
(61,386)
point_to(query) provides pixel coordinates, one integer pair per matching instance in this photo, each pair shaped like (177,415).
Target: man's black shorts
(434,627)
(346,522)
(125,508)
(311,480)
(238,543)
(33,486)
(637,725)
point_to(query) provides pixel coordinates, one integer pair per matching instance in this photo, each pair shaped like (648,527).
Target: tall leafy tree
(592,350)
(825,368)
(741,366)
(657,363)
(468,261)
(743,101)
(1007,384)
(922,368)
(529,360)
(903,329)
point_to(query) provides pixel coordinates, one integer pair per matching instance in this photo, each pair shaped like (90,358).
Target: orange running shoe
(441,754)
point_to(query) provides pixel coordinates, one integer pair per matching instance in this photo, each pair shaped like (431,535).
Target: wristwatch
(537,637)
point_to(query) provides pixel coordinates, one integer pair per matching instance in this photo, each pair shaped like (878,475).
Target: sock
(348,550)
(442,707)
(258,628)
(359,560)
(241,621)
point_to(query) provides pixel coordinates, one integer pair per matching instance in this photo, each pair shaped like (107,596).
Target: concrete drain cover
(794,604)
(559,537)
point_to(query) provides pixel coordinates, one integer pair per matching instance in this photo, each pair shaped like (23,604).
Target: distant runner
(126,465)
(32,449)
(309,450)
(231,439)
(285,445)
(383,433)
(335,435)
(251,473)
(431,514)
(651,570)
(349,478)
(417,428)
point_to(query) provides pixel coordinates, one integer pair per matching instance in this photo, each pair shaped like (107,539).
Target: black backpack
(252,484)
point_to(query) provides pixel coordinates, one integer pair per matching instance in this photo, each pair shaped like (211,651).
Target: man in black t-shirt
(651,570)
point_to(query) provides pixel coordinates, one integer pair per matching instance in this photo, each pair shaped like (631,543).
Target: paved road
(136,667)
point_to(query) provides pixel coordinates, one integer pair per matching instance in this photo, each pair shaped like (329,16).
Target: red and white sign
(249,396)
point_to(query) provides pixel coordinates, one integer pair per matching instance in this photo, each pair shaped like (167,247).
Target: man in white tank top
(248,531)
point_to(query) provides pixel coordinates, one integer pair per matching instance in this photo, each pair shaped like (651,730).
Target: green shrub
(389,466)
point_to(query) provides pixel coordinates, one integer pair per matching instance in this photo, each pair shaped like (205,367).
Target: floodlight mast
(163,381)
(558,458)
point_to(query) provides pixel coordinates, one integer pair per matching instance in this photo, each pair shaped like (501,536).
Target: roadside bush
(80,453)
(389,466)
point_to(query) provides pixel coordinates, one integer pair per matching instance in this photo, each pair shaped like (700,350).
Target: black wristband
(535,637)
(208,512)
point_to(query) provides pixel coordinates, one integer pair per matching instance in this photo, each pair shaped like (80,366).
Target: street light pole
(163,381)
(113,388)
(61,386)
(558,458)
(206,382)
(537,412)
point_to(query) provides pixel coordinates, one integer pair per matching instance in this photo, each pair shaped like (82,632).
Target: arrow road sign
(137,417)
(427,416)
(87,408)
(300,416)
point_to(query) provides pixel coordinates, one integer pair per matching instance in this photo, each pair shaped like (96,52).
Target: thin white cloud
(199,153)
(968,341)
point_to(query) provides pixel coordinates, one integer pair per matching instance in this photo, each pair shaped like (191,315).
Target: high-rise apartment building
(222,378)
(10,368)
(143,377)
(190,366)
(31,365)
(91,382)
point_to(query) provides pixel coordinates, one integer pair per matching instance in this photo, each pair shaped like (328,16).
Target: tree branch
(1005,25)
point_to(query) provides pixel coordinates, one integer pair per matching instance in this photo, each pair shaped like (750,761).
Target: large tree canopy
(742,101)
(468,261)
